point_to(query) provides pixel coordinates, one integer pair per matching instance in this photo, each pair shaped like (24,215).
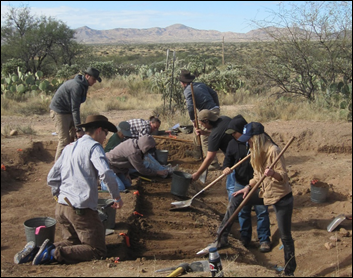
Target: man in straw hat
(205,98)
(65,107)
(215,128)
(73,181)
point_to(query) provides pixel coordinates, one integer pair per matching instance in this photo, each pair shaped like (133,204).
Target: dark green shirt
(113,141)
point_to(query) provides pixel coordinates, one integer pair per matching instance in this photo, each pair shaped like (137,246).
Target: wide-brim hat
(93,72)
(124,128)
(251,129)
(236,125)
(99,121)
(186,76)
(206,114)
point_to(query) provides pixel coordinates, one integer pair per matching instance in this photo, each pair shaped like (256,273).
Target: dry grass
(134,93)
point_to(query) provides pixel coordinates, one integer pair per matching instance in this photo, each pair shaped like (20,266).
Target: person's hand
(227,171)
(195,176)
(162,172)
(198,131)
(118,205)
(244,191)
(79,134)
(269,172)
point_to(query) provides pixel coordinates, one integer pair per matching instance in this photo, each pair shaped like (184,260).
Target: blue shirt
(75,174)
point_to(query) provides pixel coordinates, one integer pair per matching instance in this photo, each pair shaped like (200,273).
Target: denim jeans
(244,216)
(149,161)
(123,182)
(284,210)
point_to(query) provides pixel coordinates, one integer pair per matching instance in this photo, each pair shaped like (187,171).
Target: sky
(223,16)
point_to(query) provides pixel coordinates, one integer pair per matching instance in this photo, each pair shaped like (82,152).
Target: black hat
(186,77)
(236,125)
(93,72)
(251,129)
(98,121)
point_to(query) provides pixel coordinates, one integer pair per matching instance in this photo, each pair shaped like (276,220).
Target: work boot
(265,246)
(245,241)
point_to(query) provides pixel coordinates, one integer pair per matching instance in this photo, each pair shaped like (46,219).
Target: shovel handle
(223,175)
(68,202)
(248,196)
(196,120)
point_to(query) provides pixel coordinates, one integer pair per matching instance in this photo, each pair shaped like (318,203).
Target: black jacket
(236,151)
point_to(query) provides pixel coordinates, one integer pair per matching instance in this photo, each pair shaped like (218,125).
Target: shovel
(203,176)
(187,203)
(338,220)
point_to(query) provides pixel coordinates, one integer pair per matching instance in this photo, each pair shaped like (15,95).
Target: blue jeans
(244,216)
(123,182)
(151,163)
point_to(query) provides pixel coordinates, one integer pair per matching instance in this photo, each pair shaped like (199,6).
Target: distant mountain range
(172,34)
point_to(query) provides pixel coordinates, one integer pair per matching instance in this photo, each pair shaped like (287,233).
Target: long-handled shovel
(203,176)
(242,204)
(187,203)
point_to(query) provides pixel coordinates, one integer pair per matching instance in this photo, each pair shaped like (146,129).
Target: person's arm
(54,177)
(189,104)
(214,95)
(101,163)
(208,160)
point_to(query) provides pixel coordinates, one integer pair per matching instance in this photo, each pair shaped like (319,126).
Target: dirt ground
(163,238)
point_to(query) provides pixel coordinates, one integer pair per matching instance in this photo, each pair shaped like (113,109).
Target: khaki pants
(83,236)
(64,127)
(204,139)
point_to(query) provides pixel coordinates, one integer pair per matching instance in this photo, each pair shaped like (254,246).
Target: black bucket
(162,156)
(45,227)
(319,191)
(180,183)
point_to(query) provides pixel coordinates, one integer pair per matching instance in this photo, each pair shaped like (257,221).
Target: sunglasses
(105,131)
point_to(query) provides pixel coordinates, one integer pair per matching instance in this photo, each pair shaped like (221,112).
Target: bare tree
(311,49)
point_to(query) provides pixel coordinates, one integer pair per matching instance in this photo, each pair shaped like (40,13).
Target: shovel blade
(181,204)
(203,176)
(335,222)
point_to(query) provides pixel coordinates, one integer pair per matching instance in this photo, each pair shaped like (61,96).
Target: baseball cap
(207,115)
(236,125)
(251,129)
(124,128)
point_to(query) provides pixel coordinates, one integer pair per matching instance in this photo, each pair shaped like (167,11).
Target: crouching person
(74,178)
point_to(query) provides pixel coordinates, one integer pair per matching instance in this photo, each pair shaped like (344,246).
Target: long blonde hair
(258,151)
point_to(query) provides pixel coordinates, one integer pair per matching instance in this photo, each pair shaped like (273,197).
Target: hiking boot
(43,256)
(245,242)
(214,166)
(265,246)
(26,254)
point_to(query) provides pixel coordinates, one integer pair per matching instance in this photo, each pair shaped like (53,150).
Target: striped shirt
(139,127)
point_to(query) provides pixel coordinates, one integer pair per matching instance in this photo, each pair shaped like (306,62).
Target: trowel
(338,220)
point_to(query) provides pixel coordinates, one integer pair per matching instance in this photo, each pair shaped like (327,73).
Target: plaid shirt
(139,127)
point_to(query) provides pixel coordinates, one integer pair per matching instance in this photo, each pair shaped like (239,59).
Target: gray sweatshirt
(69,96)
(129,154)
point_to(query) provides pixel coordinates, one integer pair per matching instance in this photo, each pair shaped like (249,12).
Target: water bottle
(215,263)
